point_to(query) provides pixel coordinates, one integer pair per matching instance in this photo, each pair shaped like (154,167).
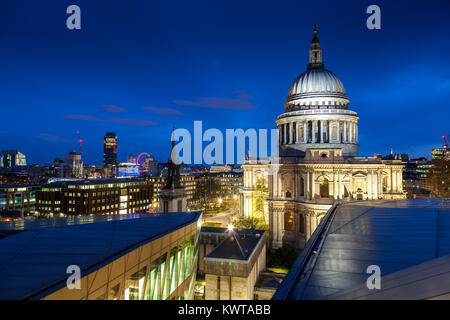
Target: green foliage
(260,195)
(239,221)
(283,257)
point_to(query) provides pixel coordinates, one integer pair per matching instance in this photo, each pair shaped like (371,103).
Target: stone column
(307,189)
(307,226)
(305,125)
(369,185)
(313,191)
(285,140)
(313,134)
(353,133)
(339,185)
(345,132)
(400,181)
(329,131)
(321,131)
(339,131)
(375,186)
(335,192)
(295,185)
(356,133)
(296,131)
(380,183)
(394,180)
(279,136)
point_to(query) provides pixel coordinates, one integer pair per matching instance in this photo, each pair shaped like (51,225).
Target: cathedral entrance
(359,194)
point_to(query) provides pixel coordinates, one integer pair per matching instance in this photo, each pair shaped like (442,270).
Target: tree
(258,218)
(259,200)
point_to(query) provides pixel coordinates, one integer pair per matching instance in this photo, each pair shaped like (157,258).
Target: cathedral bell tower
(172,197)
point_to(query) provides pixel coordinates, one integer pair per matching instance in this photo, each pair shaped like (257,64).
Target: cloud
(163,111)
(113,109)
(241,103)
(134,122)
(48,137)
(82,117)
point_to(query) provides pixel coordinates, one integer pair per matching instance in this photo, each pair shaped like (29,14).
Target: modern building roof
(83,182)
(395,235)
(239,245)
(67,221)
(36,260)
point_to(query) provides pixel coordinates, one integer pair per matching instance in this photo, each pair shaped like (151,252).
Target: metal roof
(35,260)
(393,235)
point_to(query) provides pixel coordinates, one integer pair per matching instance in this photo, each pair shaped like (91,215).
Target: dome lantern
(315,53)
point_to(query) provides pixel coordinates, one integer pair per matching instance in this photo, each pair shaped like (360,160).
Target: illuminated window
(288,221)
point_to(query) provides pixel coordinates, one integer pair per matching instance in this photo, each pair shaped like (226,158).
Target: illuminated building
(12,158)
(318,162)
(187,182)
(415,178)
(20,198)
(214,169)
(122,257)
(440,153)
(110,149)
(225,185)
(129,169)
(94,196)
(73,168)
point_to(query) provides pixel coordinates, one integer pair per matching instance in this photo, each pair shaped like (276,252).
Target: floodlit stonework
(318,162)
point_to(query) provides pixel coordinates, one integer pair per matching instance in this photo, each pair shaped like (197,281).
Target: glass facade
(165,275)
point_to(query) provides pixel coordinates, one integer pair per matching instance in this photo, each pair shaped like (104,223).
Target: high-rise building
(440,153)
(110,149)
(12,158)
(74,166)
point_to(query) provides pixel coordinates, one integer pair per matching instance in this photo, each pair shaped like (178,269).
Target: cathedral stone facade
(318,162)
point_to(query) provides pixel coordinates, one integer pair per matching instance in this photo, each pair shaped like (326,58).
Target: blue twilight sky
(138,65)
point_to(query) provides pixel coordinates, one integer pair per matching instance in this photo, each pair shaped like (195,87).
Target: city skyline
(135,77)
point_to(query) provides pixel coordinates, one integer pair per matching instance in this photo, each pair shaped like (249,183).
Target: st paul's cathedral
(318,162)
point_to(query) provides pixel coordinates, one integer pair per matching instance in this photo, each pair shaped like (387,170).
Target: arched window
(288,194)
(301,223)
(302,187)
(324,188)
(288,221)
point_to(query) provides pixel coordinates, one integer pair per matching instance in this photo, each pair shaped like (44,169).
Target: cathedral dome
(316,83)
(316,88)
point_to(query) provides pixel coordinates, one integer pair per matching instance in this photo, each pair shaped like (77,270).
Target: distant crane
(445,145)
(80,141)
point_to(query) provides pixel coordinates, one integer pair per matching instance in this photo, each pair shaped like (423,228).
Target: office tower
(110,149)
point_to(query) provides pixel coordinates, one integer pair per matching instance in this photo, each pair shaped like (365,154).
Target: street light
(230,227)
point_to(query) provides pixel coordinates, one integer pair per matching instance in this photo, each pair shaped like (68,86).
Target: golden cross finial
(315,25)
